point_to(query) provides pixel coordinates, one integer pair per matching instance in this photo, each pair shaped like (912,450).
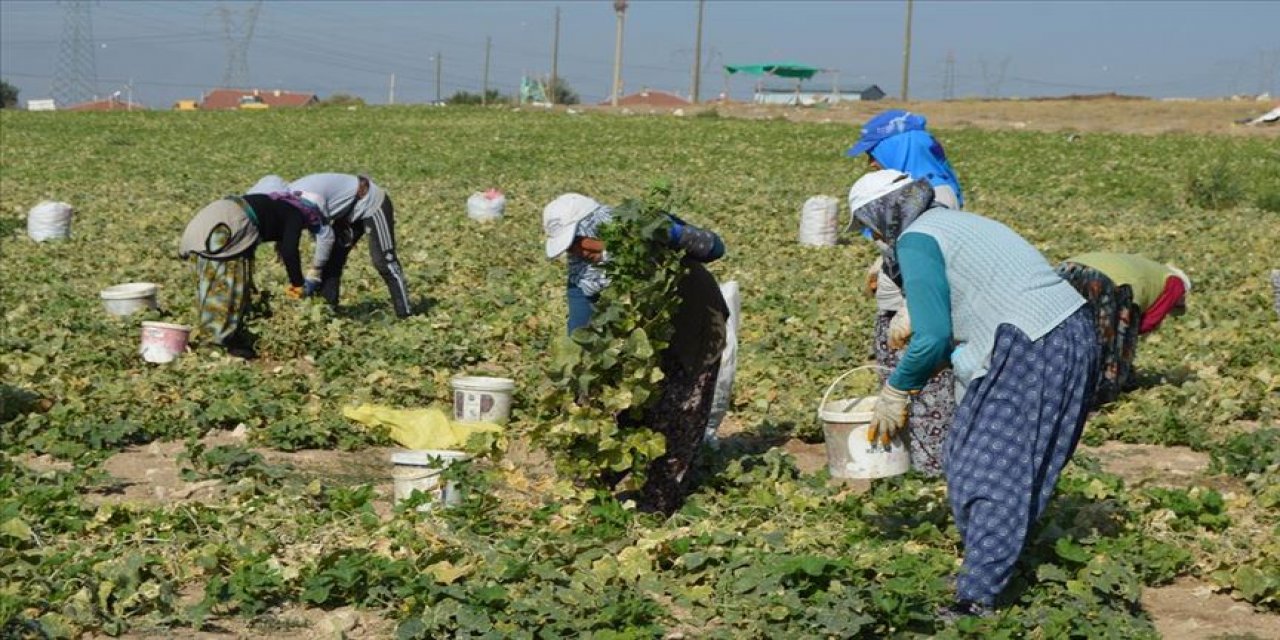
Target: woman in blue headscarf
(896,139)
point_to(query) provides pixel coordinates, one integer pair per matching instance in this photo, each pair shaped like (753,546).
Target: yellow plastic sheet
(427,428)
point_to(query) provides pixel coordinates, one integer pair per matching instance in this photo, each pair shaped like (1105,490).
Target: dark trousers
(382,251)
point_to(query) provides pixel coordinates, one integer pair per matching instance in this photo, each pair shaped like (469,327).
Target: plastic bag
(728,363)
(818,221)
(427,428)
(49,221)
(486,206)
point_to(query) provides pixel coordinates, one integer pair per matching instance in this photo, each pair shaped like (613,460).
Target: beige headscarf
(242,233)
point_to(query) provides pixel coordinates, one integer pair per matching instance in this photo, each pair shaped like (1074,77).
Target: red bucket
(163,342)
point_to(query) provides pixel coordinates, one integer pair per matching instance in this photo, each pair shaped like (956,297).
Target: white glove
(873,277)
(899,329)
(890,415)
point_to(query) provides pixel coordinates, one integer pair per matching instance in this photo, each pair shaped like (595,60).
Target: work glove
(873,278)
(899,329)
(890,415)
(293,293)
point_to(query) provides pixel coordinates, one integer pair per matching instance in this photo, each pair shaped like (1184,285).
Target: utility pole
(949,78)
(484,93)
(439,61)
(619,6)
(697,55)
(906,56)
(555,62)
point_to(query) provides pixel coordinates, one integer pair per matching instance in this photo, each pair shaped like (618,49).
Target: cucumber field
(215,497)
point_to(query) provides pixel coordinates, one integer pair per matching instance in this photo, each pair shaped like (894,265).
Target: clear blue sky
(1008,48)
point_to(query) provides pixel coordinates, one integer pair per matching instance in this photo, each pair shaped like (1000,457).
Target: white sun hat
(561,217)
(875,185)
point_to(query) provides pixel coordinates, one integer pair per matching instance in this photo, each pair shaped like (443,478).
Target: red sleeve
(1155,314)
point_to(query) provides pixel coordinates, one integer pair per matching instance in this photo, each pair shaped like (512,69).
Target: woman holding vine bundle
(573,224)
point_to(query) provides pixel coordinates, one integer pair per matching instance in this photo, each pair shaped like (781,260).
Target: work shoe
(951,613)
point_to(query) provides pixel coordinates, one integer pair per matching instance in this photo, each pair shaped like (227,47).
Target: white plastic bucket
(163,342)
(420,470)
(130,297)
(818,221)
(49,221)
(486,206)
(844,429)
(482,399)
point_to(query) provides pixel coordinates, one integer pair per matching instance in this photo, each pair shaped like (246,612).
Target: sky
(162,51)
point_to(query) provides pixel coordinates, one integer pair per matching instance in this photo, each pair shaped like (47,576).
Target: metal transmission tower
(75,79)
(239,35)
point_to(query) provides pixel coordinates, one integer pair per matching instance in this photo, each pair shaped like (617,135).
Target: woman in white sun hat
(1023,351)
(689,364)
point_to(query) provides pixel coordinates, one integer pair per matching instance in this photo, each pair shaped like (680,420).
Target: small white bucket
(49,221)
(844,429)
(163,342)
(482,399)
(128,298)
(420,471)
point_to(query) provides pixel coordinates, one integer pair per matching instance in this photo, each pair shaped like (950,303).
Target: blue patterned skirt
(1013,433)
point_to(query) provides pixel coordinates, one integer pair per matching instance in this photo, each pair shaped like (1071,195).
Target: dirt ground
(1188,609)
(1077,115)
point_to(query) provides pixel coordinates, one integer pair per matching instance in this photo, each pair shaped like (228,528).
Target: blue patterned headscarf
(919,155)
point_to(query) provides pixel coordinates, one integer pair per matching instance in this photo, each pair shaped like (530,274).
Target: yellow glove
(890,415)
(293,293)
(899,329)
(873,278)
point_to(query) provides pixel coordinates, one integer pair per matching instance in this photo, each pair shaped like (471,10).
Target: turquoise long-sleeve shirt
(924,280)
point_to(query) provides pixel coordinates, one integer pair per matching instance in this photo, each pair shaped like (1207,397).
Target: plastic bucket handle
(823,404)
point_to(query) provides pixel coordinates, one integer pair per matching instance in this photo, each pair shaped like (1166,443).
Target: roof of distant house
(230,98)
(650,98)
(106,104)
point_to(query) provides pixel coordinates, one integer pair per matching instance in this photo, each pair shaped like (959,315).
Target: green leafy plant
(1214,187)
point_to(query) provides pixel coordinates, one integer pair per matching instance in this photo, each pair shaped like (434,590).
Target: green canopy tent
(779,69)
(800,72)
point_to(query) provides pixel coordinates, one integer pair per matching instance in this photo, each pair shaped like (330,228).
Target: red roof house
(230,98)
(107,104)
(650,98)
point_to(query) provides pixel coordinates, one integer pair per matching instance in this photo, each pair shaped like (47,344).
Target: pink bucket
(162,342)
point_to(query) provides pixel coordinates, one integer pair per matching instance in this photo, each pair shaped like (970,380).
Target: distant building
(46,104)
(233,98)
(113,103)
(650,98)
(791,96)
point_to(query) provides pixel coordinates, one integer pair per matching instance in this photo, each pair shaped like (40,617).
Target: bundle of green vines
(611,367)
